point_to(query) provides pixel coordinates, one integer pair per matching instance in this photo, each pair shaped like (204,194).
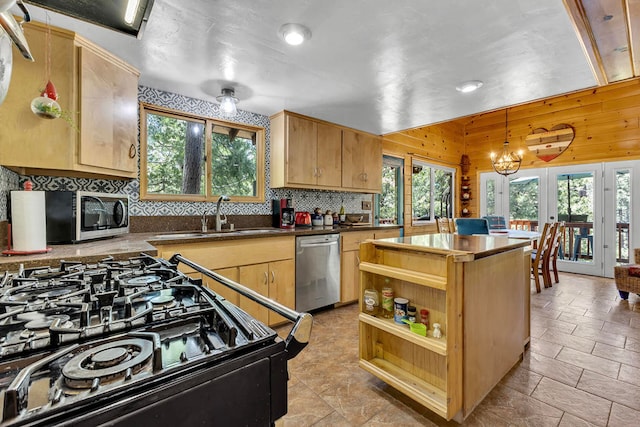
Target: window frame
(397,162)
(209,123)
(433,167)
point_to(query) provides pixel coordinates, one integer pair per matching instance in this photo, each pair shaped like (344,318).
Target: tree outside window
(185,157)
(431,191)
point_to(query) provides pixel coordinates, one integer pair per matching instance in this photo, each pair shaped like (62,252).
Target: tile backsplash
(304,200)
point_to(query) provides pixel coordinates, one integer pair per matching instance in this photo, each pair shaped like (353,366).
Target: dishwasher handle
(304,244)
(299,335)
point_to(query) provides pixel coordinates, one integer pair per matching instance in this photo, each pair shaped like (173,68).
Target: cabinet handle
(366,177)
(273,276)
(132,151)
(357,259)
(319,172)
(266,278)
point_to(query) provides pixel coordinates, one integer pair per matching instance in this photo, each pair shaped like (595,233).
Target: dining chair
(555,250)
(444,225)
(469,226)
(540,256)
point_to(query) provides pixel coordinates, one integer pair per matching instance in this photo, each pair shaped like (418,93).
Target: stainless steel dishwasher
(317,271)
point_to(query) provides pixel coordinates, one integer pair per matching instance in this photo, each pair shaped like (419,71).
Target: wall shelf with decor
(465,187)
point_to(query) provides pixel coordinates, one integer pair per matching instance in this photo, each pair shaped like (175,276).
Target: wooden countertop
(466,248)
(133,244)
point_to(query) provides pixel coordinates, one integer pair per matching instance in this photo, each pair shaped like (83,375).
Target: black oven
(74,216)
(138,343)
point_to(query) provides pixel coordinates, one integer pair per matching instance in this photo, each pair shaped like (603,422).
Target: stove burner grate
(107,362)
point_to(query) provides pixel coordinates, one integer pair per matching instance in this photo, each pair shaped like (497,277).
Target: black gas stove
(137,342)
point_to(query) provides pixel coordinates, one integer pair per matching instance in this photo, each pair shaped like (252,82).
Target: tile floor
(582,369)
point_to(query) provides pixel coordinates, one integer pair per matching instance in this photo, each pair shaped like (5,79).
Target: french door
(595,201)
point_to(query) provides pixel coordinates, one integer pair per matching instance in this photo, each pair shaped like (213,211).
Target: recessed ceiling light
(469,86)
(295,34)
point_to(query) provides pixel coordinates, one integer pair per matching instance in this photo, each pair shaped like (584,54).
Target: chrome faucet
(219,217)
(204,221)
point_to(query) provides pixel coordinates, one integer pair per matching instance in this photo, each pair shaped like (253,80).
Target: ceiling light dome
(228,102)
(469,86)
(295,34)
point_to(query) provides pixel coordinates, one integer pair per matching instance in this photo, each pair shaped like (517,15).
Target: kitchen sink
(195,234)
(257,231)
(179,235)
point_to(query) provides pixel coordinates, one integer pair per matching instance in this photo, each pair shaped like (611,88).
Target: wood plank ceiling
(609,31)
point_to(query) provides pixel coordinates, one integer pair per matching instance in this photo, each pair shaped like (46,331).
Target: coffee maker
(283,213)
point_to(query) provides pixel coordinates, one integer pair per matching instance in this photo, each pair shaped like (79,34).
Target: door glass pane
(575,208)
(524,202)
(490,194)
(623,211)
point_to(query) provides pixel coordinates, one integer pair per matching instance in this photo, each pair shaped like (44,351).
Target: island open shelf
(472,286)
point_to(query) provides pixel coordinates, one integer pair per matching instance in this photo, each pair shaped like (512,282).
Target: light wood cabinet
(361,161)
(310,153)
(96,91)
(350,259)
(476,297)
(305,153)
(265,265)
(275,280)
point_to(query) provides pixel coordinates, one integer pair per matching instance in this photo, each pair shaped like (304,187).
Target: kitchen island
(476,288)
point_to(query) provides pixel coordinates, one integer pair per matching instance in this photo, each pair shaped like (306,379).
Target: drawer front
(233,253)
(385,234)
(351,240)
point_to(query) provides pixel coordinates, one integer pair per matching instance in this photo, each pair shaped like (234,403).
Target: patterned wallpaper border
(304,200)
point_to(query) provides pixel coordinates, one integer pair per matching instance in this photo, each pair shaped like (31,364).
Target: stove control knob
(183,357)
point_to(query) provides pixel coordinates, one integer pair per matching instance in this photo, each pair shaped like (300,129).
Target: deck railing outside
(581,232)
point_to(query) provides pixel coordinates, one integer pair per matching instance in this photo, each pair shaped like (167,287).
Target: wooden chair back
(445,225)
(540,256)
(555,249)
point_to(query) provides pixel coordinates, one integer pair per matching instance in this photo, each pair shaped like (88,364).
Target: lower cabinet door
(220,289)
(282,287)
(350,276)
(256,278)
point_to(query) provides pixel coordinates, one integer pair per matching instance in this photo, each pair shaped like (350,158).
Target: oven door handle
(299,335)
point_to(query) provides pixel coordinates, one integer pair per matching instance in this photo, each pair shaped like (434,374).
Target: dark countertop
(467,248)
(133,244)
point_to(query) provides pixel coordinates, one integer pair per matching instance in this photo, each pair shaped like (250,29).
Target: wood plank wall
(441,144)
(606,121)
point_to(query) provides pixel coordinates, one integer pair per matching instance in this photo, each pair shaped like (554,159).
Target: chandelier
(508,162)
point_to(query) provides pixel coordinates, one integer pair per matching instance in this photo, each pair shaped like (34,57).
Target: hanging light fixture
(228,102)
(508,163)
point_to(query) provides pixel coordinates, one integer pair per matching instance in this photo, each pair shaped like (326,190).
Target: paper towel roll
(28,221)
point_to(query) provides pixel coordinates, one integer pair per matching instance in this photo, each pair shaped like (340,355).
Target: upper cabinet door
(301,150)
(109,119)
(361,161)
(329,154)
(310,153)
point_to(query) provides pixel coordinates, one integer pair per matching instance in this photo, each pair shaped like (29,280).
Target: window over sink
(194,158)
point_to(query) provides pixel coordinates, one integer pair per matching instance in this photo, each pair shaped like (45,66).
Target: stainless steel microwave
(75,216)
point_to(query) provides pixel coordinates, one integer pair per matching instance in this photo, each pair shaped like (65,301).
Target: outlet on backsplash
(366,205)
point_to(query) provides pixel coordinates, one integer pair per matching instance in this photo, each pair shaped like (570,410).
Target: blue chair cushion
(469,226)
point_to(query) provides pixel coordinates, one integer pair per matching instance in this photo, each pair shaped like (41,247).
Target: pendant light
(227,102)
(508,163)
